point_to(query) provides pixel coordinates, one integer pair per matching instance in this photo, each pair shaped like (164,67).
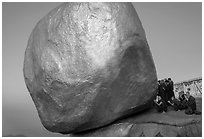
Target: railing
(195,86)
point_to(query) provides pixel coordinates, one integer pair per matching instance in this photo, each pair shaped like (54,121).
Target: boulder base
(152,124)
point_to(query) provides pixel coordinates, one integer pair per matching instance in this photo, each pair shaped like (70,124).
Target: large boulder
(88,64)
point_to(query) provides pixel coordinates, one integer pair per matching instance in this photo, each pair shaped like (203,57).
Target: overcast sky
(174,34)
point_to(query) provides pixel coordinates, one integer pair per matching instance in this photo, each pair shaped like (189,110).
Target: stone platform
(149,123)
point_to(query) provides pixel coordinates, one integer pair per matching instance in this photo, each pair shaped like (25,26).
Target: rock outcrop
(88,64)
(151,124)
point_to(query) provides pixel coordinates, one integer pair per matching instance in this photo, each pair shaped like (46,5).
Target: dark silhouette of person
(181,96)
(182,100)
(171,87)
(175,103)
(167,91)
(191,105)
(158,87)
(161,90)
(160,104)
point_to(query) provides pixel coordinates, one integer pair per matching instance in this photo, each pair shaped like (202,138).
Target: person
(161,90)
(158,87)
(175,103)
(171,88)
(168,91)
(183,101)
(160,104)
(181,96)
(191,104)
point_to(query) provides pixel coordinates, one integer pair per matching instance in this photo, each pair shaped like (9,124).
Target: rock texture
(152,124)
(88,64)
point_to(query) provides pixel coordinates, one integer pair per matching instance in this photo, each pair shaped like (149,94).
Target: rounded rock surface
(88,64)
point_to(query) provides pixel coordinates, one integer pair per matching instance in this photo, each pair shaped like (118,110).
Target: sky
(174,35)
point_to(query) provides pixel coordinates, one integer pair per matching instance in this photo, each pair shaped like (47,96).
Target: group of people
(165,98)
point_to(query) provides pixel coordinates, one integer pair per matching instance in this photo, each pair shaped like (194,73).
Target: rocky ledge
(152,124)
